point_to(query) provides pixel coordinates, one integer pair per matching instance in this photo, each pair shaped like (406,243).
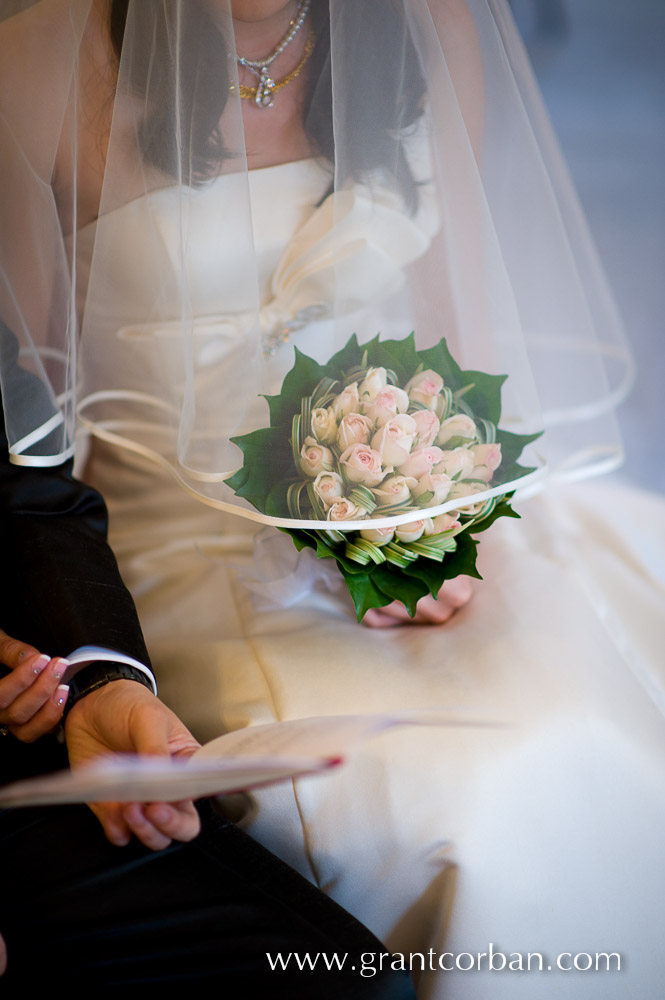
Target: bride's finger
(112,821)
(430,611)
(137,821)
(388,616)
(13,652)
(433,611)
(458,591)
(178,820)
(21,678)
(45,719)
(375,619)
(30,688)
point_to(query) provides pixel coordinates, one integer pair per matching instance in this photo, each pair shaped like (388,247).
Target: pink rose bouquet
(391,458)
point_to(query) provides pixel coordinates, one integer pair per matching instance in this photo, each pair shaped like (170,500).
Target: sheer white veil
(134,277)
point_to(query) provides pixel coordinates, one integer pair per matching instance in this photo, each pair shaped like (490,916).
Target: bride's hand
(32,699)
(453,595)
(124,717)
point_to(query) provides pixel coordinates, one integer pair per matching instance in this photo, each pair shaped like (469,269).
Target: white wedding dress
(543,833)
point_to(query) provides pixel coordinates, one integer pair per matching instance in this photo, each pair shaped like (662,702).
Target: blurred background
(601,67)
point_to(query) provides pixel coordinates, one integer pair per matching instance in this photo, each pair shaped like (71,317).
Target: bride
(197,190)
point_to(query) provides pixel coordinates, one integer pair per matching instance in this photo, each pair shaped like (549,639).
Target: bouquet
(388,447)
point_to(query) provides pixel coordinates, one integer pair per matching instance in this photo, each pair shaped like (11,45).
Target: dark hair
(208,74)
(197,80)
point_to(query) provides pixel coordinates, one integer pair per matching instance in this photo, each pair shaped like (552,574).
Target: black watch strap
(98,674)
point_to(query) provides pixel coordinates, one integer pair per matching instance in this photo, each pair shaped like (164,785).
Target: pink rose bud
(410,532)
(458,426)
(395,490)
(421,460)
(445,522)
(487,454)
(324,425)
(424,388)
(375,380)
(380,536)
(428,427)
(437,483)
(348,401)
(344,510)
(354,428)
(462,491)
(314,458)
(395,439)
(387,404)
(361,464)
(458,462)
(329,486)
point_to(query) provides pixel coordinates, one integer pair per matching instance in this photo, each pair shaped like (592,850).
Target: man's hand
(124,717)
(32,699)
(453,595)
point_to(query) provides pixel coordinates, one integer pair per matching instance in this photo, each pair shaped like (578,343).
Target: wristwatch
(98,674)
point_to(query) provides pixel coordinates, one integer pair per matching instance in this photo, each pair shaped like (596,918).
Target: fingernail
(119,839)
(60,694)
(40,663)
(59,668)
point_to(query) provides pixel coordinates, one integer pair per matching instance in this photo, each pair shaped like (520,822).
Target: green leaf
(345,359)
(276,503)
(399,355)
(365,592)
(363,497)
(300,381)
(360,550)
(440,360)
(431,574)
(400,586)
(266,460)
(484,399)
(300,538)
(512,445)
(399,555)
(463,560)
(324,547)
(456,442)
(433,546)
(238,479)
(502,509)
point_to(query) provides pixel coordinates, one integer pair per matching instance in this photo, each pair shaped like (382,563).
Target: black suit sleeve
(60,586)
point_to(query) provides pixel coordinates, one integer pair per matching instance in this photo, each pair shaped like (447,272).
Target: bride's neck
(258,25)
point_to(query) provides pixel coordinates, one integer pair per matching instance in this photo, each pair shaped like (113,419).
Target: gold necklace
(250,93)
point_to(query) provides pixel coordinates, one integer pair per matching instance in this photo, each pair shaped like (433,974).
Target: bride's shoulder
(36,57)
(33,41)
(42,49)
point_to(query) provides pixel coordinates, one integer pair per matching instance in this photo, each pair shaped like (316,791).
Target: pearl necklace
(263,94)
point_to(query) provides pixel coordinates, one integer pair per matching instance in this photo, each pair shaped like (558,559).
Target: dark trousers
(77,910)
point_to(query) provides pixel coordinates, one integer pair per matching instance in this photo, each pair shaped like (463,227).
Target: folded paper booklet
(244,759)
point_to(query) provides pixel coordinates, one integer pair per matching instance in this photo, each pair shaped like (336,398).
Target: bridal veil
(444,208)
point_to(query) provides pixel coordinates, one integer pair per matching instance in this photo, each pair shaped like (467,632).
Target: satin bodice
(192,301)
(267,240)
